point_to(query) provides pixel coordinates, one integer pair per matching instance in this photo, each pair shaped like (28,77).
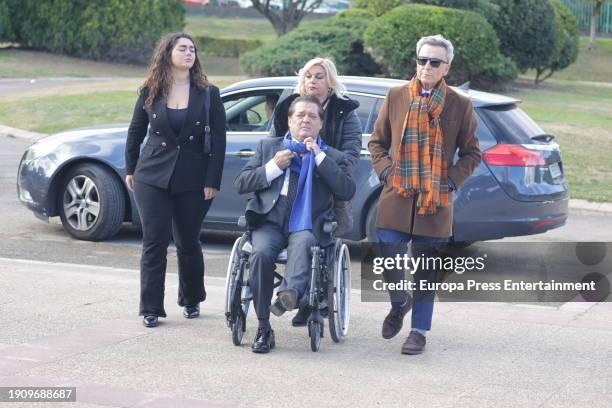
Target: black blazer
(176,161)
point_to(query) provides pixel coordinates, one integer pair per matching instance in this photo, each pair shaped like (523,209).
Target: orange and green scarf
(419,168)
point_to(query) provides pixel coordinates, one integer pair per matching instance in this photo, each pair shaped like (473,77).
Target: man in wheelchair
(295,180)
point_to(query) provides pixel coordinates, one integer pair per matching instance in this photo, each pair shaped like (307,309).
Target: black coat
(176,161)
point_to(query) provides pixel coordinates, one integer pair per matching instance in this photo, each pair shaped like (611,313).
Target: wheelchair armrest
(330,226)
(242,223)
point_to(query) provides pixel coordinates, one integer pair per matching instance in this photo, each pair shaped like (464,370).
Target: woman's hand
(129,180)
(210,193)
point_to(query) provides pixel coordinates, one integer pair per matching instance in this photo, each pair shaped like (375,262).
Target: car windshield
(510,124)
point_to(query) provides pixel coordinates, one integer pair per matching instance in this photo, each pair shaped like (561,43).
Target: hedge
(225,47)
(339,38)
(115,30)
(392,39)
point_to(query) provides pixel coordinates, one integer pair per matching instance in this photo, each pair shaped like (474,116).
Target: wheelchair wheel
(230,280)
(315,331)
(339,293)
(238,329)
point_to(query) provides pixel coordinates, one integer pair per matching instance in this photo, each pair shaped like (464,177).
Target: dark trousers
(268,240)
(165,214)
(395,243)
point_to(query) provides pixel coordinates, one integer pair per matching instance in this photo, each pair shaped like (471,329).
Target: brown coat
(459,128)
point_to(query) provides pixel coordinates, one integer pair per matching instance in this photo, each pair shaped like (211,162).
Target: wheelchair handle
(242,223)
(330,226)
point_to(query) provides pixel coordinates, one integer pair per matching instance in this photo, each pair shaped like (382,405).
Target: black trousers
(163,214)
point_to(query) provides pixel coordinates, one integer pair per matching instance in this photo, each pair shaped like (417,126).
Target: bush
(567,41)
(378,7)
(339,38)
(483,7)
(526,30)
(119,30)
(226,47)
(392,41)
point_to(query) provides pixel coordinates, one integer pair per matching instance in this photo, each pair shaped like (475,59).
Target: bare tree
(287,17)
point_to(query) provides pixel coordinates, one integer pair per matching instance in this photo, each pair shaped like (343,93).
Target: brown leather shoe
(394,321)
(414,344)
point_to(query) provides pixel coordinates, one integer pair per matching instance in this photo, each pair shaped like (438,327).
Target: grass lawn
(580,119)
(68,107)
(230,27)
(594,65)
(15,63)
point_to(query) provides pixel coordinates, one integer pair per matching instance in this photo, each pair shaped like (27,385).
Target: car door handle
(245,153)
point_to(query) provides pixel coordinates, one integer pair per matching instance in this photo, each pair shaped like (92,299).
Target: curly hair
(159,79)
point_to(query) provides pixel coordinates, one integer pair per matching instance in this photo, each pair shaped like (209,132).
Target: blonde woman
(341,130)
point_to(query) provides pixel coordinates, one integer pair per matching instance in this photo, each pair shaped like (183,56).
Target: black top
(160,164)
(176,118)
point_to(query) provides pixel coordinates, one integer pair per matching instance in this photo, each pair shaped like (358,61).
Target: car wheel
(370,226)
(91,202)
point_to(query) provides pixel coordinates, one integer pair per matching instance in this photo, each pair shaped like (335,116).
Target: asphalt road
(68,318)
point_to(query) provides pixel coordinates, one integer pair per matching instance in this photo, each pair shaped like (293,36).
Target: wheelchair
(329,293)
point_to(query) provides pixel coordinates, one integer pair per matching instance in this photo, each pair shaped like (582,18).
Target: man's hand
(312,145)
(129,180)
(210,193)
(282,158)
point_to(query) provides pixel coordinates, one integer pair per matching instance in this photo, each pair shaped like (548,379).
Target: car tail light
(513,155)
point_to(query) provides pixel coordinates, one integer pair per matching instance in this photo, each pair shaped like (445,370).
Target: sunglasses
(434,62)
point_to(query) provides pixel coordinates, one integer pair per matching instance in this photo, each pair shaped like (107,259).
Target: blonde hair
(332,77)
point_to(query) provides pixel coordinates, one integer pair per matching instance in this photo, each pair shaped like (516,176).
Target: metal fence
(583,9)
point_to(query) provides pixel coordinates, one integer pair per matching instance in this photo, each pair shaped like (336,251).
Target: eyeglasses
(434,62)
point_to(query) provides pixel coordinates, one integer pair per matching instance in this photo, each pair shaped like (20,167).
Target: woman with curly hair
(178,172)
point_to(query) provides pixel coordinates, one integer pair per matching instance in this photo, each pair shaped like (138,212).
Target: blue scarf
(301,212)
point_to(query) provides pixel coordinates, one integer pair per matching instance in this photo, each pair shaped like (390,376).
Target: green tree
(392,39)
(288,16)
(566,43)
(526,30)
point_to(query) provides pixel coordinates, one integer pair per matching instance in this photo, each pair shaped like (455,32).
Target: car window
(510,124)
(250,111)
(366,105)
(379,103)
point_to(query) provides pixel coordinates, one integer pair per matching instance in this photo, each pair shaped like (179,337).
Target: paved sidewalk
(76,325)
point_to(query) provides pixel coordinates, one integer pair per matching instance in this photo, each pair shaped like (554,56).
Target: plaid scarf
(418,168)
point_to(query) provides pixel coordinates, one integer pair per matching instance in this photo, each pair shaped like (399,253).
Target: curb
(8,131)
(576,204)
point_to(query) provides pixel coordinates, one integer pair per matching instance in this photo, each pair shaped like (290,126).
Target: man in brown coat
(419,128)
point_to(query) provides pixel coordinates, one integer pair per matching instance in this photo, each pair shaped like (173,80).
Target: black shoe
(264,340)
(150,321)
(285,301)
(191,312)
(277,308)
(394,321)
(301,318)
(288,299)
(414,344)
